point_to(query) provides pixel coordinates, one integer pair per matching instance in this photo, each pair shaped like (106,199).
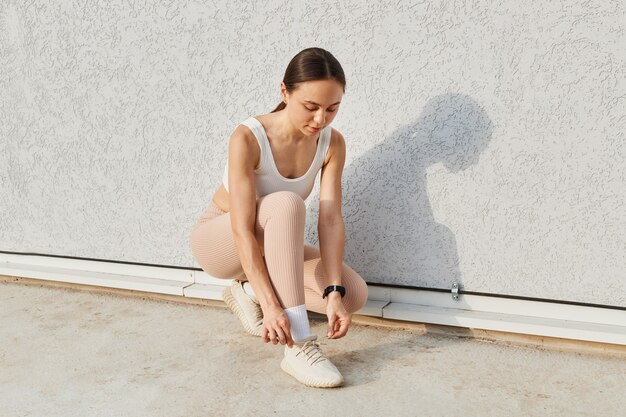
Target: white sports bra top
(268,178)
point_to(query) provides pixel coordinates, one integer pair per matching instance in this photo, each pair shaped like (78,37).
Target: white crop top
(268,179)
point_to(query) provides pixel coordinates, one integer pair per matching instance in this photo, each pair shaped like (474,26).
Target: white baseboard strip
(205,291)
(539,326)
(480,312)
(100,279)
(201,277)
(510,306)
(176,274)
(373,308)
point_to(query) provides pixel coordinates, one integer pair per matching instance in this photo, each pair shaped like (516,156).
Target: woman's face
(313,104)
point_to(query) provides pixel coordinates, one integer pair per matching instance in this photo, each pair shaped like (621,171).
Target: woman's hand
(276,327)
(338,318)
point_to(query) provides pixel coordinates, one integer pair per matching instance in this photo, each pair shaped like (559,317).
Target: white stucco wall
(485,139)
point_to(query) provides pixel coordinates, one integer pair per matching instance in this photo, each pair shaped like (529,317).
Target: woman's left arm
(331,232)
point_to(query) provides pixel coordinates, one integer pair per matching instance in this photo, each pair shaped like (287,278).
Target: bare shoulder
(246,138)
(242,131)
(335,133)
(337,145)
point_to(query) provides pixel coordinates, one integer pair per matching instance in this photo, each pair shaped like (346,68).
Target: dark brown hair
(311,64)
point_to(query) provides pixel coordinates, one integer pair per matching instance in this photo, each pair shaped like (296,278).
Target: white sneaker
(306,362)
(247,309)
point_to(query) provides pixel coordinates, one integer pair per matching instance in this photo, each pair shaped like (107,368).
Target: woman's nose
(319,118)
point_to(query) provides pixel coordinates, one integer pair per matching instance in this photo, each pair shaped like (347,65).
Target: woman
(253,230)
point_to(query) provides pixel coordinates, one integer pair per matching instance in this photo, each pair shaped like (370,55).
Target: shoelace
(312,351)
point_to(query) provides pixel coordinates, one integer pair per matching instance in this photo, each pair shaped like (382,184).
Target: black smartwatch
(332,288)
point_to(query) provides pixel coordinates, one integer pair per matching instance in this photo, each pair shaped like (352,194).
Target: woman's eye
(330,111)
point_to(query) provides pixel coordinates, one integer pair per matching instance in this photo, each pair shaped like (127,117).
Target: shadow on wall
(391,234)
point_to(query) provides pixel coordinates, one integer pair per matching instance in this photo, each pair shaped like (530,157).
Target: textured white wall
(485,139)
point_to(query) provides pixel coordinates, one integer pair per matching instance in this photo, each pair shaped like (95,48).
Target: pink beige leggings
(295,269)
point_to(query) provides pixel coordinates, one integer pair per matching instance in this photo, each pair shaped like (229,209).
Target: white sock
(299,322)
(248,290)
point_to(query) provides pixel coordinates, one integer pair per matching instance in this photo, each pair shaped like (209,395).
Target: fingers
(288,338)
(286,329)
(278,334)
(275,336)
(331,326)
(282,337)
(343,329)
(270,337)
(339,329)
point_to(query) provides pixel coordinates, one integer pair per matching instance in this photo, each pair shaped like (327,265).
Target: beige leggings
(295,269)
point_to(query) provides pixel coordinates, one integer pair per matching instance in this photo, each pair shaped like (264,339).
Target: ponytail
(281,106)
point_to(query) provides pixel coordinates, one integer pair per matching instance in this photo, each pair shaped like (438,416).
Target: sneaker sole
(234,307)
(310,382)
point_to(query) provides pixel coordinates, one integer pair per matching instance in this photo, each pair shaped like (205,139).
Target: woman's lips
(315,129)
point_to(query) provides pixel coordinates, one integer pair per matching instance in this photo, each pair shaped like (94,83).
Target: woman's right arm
(242,204)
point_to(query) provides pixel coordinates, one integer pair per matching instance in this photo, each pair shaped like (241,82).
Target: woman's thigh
(212,241)
(213,245)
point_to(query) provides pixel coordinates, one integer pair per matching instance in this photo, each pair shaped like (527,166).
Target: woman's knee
(285,201)
(358,294)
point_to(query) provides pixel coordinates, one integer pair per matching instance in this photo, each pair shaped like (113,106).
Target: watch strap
(332,288)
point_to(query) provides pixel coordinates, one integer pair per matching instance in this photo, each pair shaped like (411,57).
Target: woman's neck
(286,131)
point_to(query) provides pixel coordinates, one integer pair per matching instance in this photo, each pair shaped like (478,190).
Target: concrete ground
(73,353)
